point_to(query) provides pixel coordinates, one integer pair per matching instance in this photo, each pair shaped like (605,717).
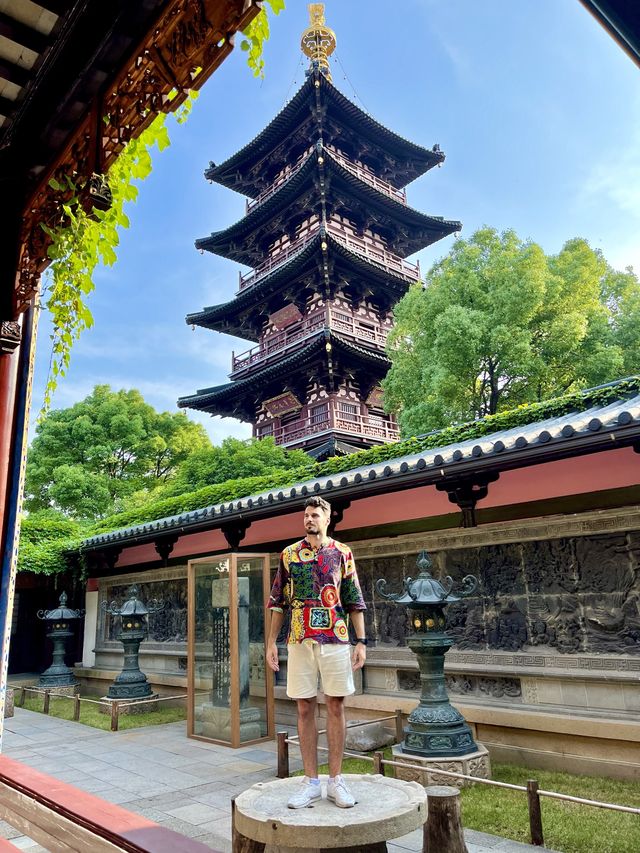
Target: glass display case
(230,691)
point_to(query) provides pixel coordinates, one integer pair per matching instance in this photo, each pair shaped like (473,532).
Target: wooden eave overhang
(238,398)
(406,160)
(621,19)
(407,230)
(596,430)
(270,292)
(60,77)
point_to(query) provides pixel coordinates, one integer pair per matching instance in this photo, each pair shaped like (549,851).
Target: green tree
(498,323)
(86,458)
(231,460)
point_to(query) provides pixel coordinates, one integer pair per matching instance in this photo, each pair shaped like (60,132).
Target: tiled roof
(284,366)
(283,274)
(576,433)
(289,118)
(427,229)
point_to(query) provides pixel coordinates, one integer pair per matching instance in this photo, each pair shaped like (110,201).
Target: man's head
(317,515)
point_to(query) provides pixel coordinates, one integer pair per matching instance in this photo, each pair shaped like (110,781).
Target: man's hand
(359,656)
(272,657)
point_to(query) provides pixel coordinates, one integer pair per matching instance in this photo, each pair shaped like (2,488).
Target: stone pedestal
(130,706)
(473,764)
(216,723)
(385,809)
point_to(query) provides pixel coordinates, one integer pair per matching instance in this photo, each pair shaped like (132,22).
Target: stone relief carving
(459,684)
(570,595)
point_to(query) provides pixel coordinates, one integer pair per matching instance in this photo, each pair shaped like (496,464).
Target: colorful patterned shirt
(320,588)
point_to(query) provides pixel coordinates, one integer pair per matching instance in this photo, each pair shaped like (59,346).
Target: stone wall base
(474,764)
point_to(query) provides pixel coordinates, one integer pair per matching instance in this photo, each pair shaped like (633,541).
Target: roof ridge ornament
(318,41)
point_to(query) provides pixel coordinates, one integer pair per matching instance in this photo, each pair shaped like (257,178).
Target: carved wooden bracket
(164,546)
(234,532)
(465,492)
(338,509)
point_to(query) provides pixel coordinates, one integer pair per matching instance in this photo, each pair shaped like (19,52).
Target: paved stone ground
(158,772)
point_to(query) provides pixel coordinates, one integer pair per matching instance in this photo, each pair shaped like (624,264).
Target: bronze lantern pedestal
(59,677)
(435,729)
(131,684)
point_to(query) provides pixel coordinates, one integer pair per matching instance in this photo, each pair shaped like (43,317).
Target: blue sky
(535,106)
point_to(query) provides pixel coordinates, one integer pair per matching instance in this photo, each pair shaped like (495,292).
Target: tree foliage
(498,323)
(86,459)
(255,36)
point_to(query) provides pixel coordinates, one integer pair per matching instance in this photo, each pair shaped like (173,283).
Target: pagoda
(326,233)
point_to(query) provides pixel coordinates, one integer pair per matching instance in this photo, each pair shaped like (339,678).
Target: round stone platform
(385,809)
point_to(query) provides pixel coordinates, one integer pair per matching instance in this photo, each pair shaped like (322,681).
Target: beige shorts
(331,660)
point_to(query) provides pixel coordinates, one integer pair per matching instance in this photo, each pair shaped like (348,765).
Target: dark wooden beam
(14,73)
(58,7)
(22,34)
(7,106)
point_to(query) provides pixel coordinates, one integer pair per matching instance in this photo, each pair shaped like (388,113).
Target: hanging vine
(88,236)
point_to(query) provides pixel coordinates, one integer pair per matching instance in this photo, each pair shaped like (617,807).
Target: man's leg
(308,734)
(335,733)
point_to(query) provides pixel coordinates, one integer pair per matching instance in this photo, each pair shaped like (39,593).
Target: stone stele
(385,808)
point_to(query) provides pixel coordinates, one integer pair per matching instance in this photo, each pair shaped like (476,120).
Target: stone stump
(385,809)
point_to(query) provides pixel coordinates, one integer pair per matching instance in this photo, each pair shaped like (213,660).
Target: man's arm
(277,618)
(359,650)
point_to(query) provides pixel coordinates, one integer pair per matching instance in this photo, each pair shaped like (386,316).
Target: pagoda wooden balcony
(367,176)
(359,245)
(335,419)
(279,181)
(358,328)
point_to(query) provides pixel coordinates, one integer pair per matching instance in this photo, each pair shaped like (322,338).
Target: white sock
(315,781)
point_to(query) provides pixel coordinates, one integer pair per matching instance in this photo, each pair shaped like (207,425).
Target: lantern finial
(318,41)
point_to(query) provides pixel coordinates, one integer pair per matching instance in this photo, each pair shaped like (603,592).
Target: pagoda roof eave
(298,359)
(226,172)
(228,242)
(282,275)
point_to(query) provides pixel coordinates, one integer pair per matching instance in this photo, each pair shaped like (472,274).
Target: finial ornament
(318,41)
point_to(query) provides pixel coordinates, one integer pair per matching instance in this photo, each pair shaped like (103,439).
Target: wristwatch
(362,640)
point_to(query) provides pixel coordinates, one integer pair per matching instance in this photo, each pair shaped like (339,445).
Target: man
(317,581)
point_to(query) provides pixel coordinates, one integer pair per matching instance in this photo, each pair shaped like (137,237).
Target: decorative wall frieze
(551,527)
(188,42)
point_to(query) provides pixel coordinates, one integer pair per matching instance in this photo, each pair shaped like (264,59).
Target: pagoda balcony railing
(279,181)
(367,176)
(358,328)
(335,420)
(410,272)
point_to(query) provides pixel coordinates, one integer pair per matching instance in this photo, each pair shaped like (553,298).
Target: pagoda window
(264,429)
(347,411)
(319,414)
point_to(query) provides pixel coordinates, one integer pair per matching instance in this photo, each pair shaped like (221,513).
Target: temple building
(326,233)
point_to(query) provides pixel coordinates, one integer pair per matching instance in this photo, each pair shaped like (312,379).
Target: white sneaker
(340,794)
(306,795)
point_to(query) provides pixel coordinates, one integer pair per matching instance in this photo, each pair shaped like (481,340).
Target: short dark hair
(318,502)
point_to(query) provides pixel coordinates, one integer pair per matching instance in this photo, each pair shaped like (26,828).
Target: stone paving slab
(183,784)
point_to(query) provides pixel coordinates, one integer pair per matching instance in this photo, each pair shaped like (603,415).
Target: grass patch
(91,716)
(568,827)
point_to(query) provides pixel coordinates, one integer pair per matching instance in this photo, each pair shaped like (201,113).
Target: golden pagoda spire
(318,41)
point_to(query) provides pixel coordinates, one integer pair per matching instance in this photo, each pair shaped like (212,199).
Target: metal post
(283,755)
(535,813)
(114,716)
